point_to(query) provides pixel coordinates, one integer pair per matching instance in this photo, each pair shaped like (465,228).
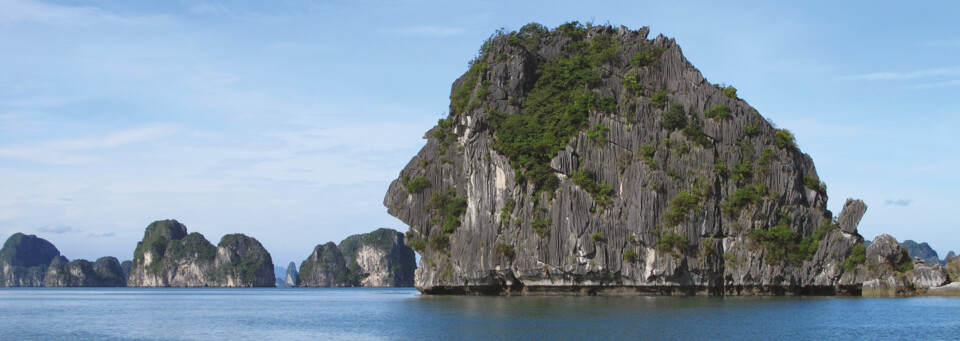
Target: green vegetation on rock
(673,244)
(784,139)
(674,118)
(447,208)
(718,111)
(600,191)
(858,255)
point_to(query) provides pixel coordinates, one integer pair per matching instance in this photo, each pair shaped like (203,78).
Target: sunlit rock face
(595,160)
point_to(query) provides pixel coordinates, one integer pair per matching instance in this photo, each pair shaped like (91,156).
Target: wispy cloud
(432,31)
(939,84)
(65,151)
(101,235)
(27,11)
(56,229)
(899,202)
(895,75)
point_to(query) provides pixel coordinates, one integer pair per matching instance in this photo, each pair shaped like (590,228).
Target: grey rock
(498,251)
(290,280)
(890,271)
(325,267)
(948,290)
(24,260)
(885,250)
(169,257)
(853,211)
(921,250)
(379,258)
(243,262)
(953,269)
(928,275)
(126,265)
(106,272)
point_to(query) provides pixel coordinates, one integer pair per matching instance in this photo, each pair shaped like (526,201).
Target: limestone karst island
(595,160)
(582,160)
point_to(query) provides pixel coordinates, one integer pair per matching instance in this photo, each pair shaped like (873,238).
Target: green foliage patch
(648,55)
(659,99)
(815,184)
(784,139)
(742,197)
(600,191)
(673,243)
(718,111)
(505,250)
(447,208)
(674,118)
(858,255)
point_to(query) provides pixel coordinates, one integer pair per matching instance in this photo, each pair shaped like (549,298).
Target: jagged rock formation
(30,261)
(169,257)
(280,273)
(921,250)
(953,268)
(105,272)
(24,260)
(325,267)
(379,258)
(376,259)
(889,271)
(595,161)
(243,262)
(290,280)
(126,265)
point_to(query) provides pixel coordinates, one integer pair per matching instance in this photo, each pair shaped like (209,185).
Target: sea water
(404,314)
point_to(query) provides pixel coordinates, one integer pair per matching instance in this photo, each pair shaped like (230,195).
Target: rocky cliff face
(889,271)
(325,267)
(105,272)
(24,260)
(592,160)
(290,280)
(379,258)
(169,257)
(921,250)
(243,262)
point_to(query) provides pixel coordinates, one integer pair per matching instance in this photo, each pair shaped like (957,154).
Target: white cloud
(899,202)
(54,228)
(894,75)
(65,151)
(27,11)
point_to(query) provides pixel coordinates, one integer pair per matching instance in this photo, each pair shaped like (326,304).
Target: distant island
(168,256)
(589,160)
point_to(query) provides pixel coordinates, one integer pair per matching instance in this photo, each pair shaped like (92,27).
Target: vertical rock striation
(593,160)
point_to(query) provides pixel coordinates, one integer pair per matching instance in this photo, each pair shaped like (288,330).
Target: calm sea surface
(359,314)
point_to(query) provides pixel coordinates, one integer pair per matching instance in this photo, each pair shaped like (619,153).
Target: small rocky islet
(591,160)
(169,256)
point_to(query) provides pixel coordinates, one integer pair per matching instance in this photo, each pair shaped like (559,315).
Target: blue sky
(286,120)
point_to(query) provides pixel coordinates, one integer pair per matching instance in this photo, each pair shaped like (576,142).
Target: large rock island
(169,257)
(376,259)
(30,261)
(592,160)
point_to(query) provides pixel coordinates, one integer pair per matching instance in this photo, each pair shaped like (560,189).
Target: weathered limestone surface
(169,257)
(380,258)
(325,267)
(719,259)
